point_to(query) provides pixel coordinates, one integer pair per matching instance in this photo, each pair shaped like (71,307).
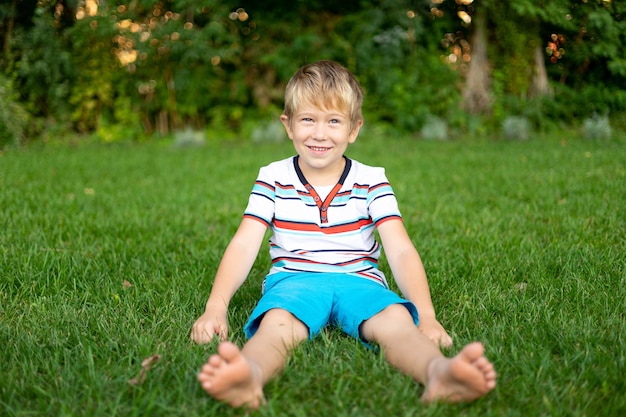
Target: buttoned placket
(323,205)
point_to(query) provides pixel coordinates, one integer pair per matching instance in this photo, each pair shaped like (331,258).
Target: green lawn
(107,254)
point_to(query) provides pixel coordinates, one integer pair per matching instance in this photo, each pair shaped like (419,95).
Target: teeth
(317,149)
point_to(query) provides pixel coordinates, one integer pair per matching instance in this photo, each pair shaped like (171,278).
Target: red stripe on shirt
(312,227)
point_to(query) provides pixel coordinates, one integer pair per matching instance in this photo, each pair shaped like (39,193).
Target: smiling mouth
(318,149)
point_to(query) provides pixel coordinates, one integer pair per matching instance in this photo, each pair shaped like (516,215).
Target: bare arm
(408,271)
(231,274)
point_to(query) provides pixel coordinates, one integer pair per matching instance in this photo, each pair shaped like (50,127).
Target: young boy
(323,208)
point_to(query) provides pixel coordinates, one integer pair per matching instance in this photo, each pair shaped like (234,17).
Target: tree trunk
(477,97)
(539,85)
(6,47)
(171,99)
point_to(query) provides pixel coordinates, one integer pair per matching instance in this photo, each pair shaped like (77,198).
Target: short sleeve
(261,204)
(381,201)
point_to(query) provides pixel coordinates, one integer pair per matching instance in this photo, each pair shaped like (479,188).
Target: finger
(440,340)
(207,335)
(435,339)
(193,335)
(221,330)
(223,334)
(446,341)
(201,336)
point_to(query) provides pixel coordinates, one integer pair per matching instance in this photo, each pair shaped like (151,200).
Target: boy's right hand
(208,325)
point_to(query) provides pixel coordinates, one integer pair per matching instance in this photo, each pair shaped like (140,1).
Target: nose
(320,132)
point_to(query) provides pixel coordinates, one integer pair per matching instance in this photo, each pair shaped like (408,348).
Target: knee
(283,322)
(387,323)
(396,314)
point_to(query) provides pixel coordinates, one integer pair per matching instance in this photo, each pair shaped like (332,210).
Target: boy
(323,208)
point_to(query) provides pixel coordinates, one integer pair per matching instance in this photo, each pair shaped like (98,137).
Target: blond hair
(324,85)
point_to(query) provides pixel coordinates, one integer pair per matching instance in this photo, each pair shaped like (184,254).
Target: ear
(286,123)
(355,131)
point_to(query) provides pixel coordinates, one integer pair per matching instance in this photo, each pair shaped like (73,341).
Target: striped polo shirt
(313,232)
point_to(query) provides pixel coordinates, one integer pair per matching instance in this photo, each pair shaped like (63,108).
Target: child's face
(320,137)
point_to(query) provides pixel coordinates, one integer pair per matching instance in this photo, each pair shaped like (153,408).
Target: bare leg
(237,377)
(465,377)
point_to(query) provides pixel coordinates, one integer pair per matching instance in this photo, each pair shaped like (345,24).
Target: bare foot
(465,377)
(230,377)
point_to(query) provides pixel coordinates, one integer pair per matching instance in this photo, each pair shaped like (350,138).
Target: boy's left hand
(435,332)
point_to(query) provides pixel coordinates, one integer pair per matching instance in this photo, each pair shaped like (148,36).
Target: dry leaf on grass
(146,364)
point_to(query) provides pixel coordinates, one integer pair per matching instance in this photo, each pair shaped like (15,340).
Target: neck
(328,176)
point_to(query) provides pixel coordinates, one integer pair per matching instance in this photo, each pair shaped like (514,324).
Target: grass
(107,255)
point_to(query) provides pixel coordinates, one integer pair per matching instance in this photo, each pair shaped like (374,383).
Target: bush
(571,105)
(516,127)
(271,131)
(189,138)
(434,128)
(597,127)
(13,117)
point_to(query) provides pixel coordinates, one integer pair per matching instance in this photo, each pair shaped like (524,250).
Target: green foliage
(189,139)
(196,51)
(434,128)
(13,117)
(94,84)
(513,42)
(161,66)
(582,42)
(45,70)
(108,132)
(272,131)
(593,32)
(597,127)
(405,83)
(571,105)
(516,127)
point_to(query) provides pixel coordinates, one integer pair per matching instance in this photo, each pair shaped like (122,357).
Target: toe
(215,361)
(228,351)
(473,351)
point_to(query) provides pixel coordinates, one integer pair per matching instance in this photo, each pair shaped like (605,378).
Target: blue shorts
(319,299)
